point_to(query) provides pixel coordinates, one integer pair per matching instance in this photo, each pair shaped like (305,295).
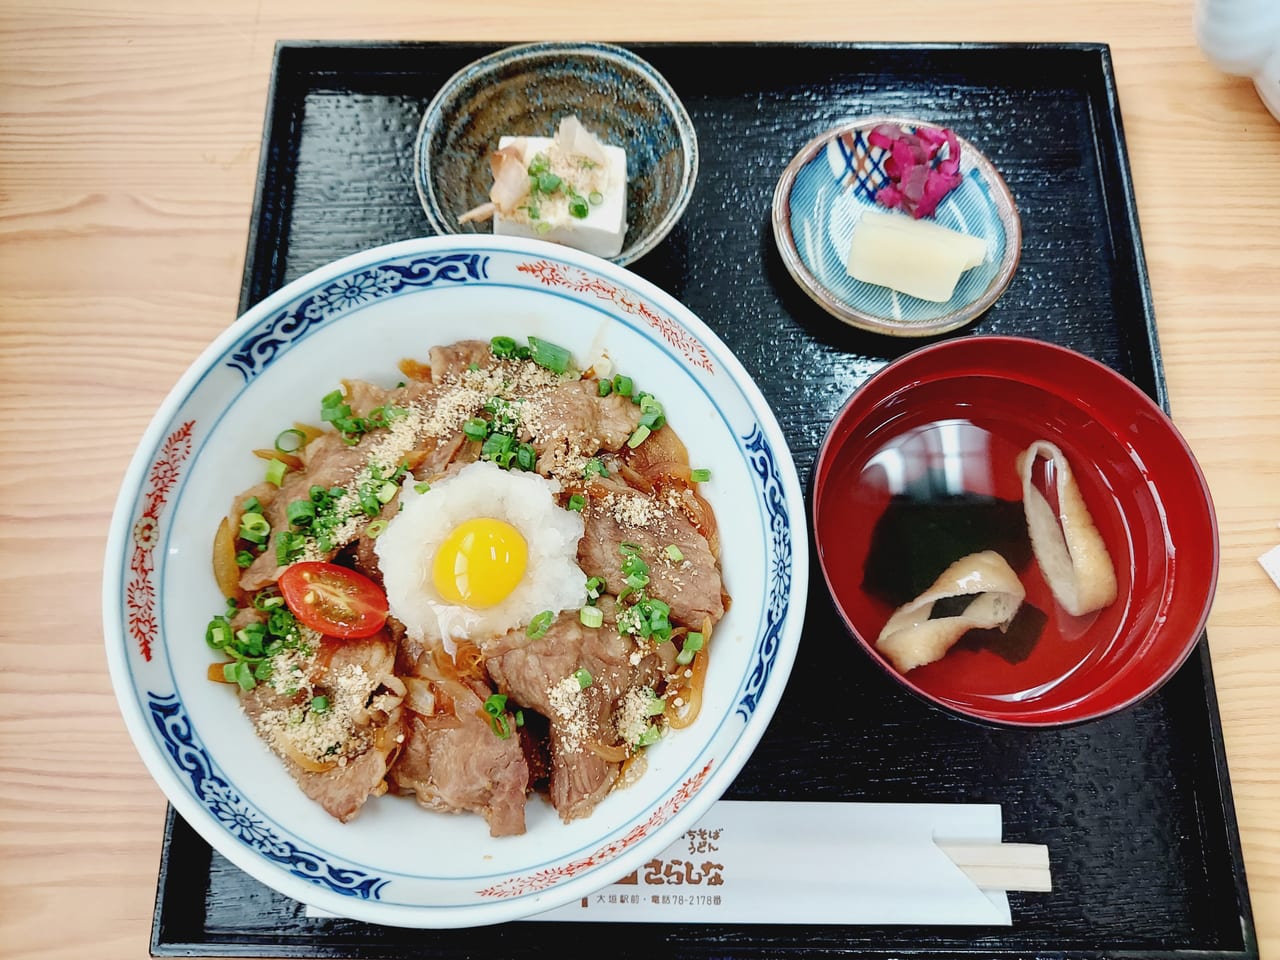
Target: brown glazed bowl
(525,90)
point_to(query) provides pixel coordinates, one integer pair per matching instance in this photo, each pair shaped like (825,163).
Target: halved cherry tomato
(334,600)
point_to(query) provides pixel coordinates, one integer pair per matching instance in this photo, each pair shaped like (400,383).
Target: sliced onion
(415,369)
(691,691)
(225,570)
(216,674)
(393,683)
(663,454)
(302,760)
(614,754)
(420,697)
(290,460)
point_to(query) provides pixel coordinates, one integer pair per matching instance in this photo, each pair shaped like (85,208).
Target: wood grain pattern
(129,133)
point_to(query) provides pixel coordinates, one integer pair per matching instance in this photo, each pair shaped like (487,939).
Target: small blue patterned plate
(833,180)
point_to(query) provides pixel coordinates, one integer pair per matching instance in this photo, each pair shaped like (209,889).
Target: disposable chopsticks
(1003,866)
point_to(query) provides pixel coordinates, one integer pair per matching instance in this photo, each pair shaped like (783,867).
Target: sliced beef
(364,703)
(573,421)
(463,764)
(448,362)
(538,674)
(617,514)
(364,397)
(327,462)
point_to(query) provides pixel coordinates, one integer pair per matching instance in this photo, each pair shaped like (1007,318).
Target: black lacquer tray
(1136,809)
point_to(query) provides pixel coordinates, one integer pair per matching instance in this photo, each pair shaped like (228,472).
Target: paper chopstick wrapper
(749,862)
(790,862)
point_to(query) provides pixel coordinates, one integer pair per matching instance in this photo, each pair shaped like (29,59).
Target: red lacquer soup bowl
(919,469)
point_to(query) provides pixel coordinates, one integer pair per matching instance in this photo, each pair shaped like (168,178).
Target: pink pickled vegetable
(923,167)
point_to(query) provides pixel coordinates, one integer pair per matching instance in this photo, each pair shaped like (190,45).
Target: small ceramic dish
(920,468)
(821,197)
(525,90)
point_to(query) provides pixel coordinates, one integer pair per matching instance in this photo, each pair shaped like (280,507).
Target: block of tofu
(916,257)
(548,216)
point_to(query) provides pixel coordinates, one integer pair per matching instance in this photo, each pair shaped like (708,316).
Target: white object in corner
(1242,37)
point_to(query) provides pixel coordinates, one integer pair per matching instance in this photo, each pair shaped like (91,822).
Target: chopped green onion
(639,437)
(674,554)
(251,636)
(385,491)
(369,503)
(472,366)
(218,633)
(577,502)
(267,600)
(583,677)
(594,467)
(376,528)
(422,487)
(477,428)
(239,672)
(595,587)
(301,512)
(289,546)
(502,346)
(623,385)
(657,706)
(539,625)
(591,616)
(692,644)
(276,470)
(519,718)
(550,355)
(595,197)
(701,475)
(604,387)
(651,736)
(254,527)
(251,506)
(548,182)
(320,704)
(494,706)
(542,226)
(578,208)
(635,570)
(244,559)
(290,441)
(500,448)
(526,456)
(654,419)
(539,164)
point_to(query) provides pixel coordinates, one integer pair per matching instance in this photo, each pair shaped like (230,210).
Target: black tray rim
(262,246)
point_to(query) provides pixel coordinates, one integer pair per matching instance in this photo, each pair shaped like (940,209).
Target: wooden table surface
(129,133)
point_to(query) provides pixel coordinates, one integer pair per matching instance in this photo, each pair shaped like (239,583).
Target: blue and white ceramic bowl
(833,180)
(525,90)
(396,863)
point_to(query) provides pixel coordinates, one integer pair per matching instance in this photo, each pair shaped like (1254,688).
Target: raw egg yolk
(480,562)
